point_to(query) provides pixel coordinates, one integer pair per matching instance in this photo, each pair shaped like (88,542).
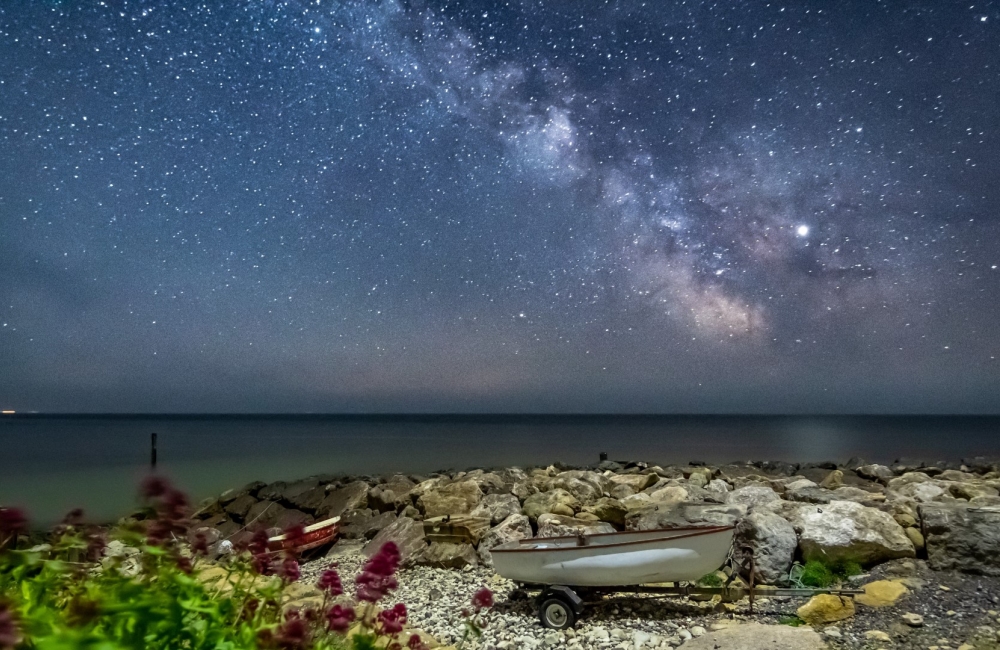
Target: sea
(50,464)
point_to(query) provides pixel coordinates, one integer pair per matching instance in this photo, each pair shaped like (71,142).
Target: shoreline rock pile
(855,512)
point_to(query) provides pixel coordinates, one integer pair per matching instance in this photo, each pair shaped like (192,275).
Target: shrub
(65,595)
(820,575)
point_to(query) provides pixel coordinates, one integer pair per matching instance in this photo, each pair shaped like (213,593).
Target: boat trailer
(559,606)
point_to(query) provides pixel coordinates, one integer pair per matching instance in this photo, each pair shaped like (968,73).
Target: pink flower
(292,635)
(339,618)
(289,570)
(10,635)
(415,643)
(379,574)
(154,487)
(200,544)
(329,581)
(12,522)
(482,599)
(392,620)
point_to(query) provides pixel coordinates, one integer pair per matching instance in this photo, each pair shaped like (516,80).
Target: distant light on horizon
(7,412)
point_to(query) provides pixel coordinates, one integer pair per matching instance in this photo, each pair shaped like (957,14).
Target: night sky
(619,206)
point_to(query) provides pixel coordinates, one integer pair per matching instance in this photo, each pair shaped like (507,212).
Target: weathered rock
(377,523)
(667,495)
(497,507)
(307,495)
(445,555)
(809,494)
(557,501)
(272,491)
(638,482)
(961,537)
(488,482)
(353,496)
(354,523)
(916,537)
(264,514)
(878,636)
(876,472)
(824,609)
(849,493)
(512,528)
(751,496)
(683,515)
(393,495)
(407,534)
(913,620)
(550,525)
(585,492)
(881,593)
(754,636)
(457,498)
(844,530)
(523,489)
(773,542)
(609,510)
(248,489)
(240,506)
(833,480)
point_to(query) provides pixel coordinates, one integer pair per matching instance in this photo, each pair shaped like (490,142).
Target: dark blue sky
(500,206)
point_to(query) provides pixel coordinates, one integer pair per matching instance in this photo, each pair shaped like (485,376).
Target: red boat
(314,536)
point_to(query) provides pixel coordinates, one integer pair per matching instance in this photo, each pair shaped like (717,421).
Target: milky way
(500,206)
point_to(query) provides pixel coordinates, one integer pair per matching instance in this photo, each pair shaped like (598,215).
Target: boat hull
(616,559)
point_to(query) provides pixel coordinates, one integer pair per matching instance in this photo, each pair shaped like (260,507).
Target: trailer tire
(556,613)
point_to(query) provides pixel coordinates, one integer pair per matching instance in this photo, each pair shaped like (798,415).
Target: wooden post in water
(152,457)
(604,456)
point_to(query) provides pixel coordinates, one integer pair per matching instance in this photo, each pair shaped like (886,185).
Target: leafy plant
(710,580)
(793,621)
(819,575)
(70,594)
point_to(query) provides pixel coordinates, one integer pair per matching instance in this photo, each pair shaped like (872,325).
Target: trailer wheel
(556,613)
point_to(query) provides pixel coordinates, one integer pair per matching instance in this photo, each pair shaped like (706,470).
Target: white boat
(615,559)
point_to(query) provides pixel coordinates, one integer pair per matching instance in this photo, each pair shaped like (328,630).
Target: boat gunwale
(698,531)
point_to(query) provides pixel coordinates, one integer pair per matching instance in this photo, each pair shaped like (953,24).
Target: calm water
(52,464)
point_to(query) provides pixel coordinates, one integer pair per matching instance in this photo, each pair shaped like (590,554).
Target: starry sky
(514,206)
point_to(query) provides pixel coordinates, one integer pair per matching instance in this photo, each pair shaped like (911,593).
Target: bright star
(802,231)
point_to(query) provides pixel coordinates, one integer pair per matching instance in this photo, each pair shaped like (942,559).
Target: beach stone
(755,636)
(263,514)
(609,510)
(826,608)
(833,480)
(858,495)
(353,496)
(637,482)
(550,525)
(668,494)
(523,489)
(876,472)
(305,495)
(233,494)
(881,593)
(457,498)
(621,491)
(878,635)
(845,530)
(446,555)
(376,523)
(773,542)
(810,494)
(497,507)
(354,523)
(683,515)
(488,482)
(407,534)
(512,528)
(913,620)
(962,537)
(969,490)
(752,496)
(916,537)
(393,495)
(240,506)
(272,491)
(557,501)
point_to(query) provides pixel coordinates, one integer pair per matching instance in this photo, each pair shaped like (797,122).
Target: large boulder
(773,542)
(637,482)
(557,501)
(550,525)
(845,530)
(497,507)
(306,494)
(407,534)
(353,496)
(240,506)
(684,515)
(456,498)
(962,538)
(752,496)
(609,510)
(446,555)
(512,528)
(586,487)
(876,472)
(824,609)
(248,489)
(393,495)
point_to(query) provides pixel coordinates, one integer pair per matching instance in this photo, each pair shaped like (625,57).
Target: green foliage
(793,621)
(819,575)
(710,580)
(65,596)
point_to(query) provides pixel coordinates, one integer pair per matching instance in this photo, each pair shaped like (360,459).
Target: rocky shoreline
(926,536)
